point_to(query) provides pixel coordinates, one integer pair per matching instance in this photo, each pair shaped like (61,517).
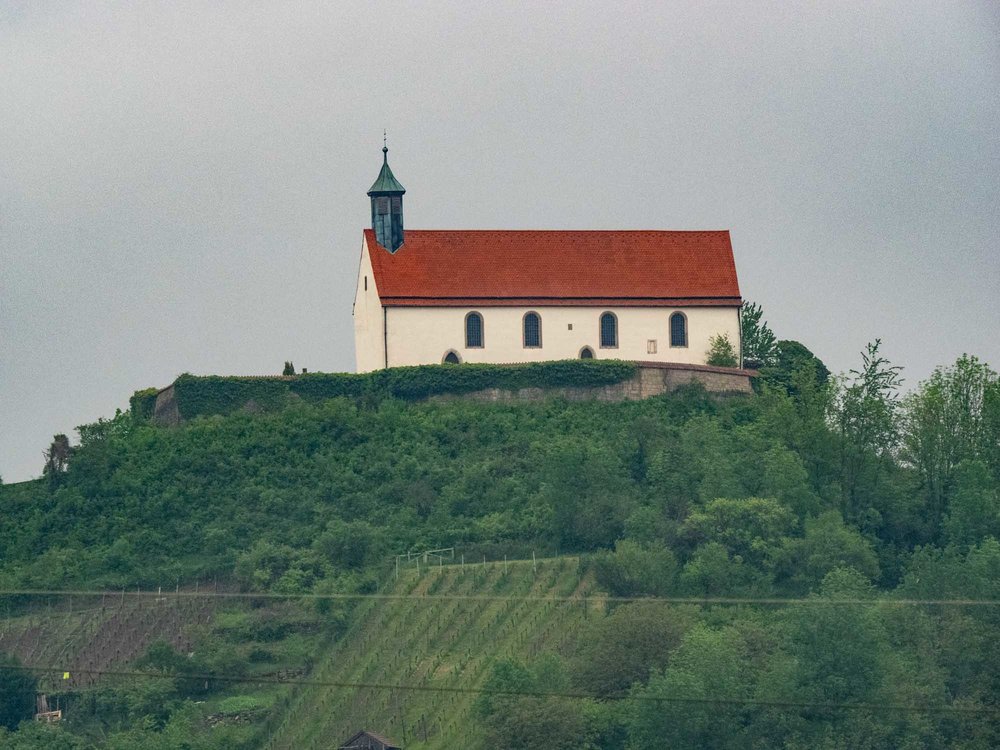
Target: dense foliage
(822,488)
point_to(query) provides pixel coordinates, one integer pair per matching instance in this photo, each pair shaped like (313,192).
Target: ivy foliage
(210,395)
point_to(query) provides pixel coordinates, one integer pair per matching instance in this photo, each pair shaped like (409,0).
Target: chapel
(505,296)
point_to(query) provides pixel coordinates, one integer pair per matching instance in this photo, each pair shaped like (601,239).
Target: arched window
(678,330)
(609,331)
(586,353)
(451,359)
(532,330)
(473,331)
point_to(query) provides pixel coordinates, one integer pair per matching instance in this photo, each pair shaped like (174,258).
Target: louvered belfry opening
(387,207)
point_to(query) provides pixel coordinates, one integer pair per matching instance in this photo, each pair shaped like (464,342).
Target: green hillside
(841,495)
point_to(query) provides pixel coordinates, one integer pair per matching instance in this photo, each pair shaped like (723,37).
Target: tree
(635,569)
(749,528)
(794,369)
(584,486)
(721,352)
(952,417)
(514,721)
(623,648)
(759,342)
(974,510)
(866,418)
(829,544)
(709,664)
(289,369)
(17,692)
(57,457)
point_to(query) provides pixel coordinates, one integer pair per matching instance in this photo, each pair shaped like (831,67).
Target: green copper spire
(386,182)
(387,206)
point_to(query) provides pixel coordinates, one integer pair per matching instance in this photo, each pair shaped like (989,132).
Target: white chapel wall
(368,343)
(423,335)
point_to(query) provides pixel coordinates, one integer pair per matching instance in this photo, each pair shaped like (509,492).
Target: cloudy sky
(182,185)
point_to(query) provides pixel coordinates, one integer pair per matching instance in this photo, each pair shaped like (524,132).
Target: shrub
(721,352)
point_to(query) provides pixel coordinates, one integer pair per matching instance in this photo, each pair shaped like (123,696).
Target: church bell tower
(387,206)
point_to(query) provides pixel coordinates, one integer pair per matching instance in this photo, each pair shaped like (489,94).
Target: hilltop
(818,489)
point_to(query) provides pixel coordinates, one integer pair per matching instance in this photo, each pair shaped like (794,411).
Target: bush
(142,403)
(721,352)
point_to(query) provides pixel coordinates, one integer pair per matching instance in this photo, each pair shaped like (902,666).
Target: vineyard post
(397,567)
(463,562)
(505,564)
(534,563)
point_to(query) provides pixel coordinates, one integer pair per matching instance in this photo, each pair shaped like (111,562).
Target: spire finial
(385,148)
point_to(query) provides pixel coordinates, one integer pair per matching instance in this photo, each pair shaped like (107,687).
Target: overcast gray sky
(182,185)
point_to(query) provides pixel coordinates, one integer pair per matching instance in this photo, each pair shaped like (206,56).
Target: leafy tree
(514,720)
(828,544)
(866,418)
(584,487)
(759,342)
(57,457)
(712,571)
(840,648)
(709,664)
(621,649)
(750,528)
(34,736)
(289,369)
(721,352)
(794,369)
(634,569)
(974,510)
(17,692)
(118,427)
(952,417)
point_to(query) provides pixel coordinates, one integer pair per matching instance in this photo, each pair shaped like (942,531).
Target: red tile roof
(501,267)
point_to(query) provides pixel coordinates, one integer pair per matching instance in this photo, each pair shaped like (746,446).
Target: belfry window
(473,331)
(609,331)
(678,330)
(382,206)
(532,330)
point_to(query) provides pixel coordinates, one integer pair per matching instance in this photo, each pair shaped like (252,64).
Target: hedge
(214,394)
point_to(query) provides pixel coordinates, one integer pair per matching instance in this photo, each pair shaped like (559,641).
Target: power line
(574,598)
(684,700)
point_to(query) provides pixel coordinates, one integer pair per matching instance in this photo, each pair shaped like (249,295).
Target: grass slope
(432,643)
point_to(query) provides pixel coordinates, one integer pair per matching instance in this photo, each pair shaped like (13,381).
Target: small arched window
(473,331)
(678,330)
(532,330)
(586,353)
(451,359)
(609,331)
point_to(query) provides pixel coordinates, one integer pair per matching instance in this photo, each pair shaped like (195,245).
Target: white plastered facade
(394,336)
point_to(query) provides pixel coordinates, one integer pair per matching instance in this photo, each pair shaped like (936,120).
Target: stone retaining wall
(651,379)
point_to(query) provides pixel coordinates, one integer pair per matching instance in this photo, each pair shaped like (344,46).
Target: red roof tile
(459,267)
